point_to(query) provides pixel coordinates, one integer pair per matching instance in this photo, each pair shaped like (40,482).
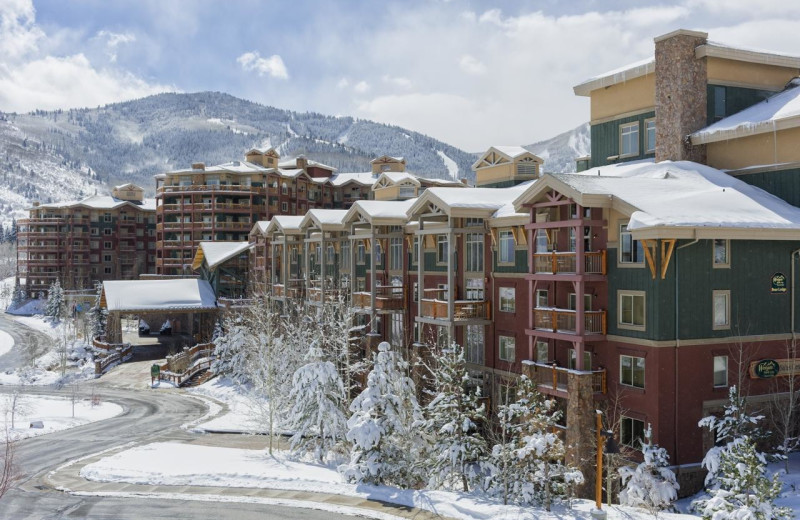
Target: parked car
(144,328)
(166,328)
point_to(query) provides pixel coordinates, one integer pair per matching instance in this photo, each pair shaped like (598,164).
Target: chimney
(464,181)
(681,97)
(35,203)
(198,166)
(301,162)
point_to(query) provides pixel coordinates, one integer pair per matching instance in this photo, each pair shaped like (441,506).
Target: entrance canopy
(183,294)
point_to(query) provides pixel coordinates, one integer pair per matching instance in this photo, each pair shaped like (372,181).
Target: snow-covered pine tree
(317,418)
(54,308)
(452,419)
(651,484)
(17,296)
(231,350)
(742,488)
(384,427)
(97,316)
(336,323)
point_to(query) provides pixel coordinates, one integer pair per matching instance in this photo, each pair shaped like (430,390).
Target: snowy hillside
(61,155)
(559,153)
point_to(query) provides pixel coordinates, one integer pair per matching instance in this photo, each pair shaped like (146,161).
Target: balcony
(565,321)
(463,309)
(209,188)
(566,263)
(315,295)
(293,290)
(553,380)
(387,298)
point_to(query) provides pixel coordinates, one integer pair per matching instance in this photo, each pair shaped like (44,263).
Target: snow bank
(55,414)
(171,463)
(29,308)
(240,417)
(38,322)
(6,342)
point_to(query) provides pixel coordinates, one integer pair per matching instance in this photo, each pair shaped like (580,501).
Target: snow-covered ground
(29,308)
(55,413)
(243,414)
(6,342)
(170,463)
(38,322)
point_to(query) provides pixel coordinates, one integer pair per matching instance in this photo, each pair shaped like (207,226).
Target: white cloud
(472,65)
(397,81)
(362,87)
(31,77)
(114,40)
(343,83)
(272,66)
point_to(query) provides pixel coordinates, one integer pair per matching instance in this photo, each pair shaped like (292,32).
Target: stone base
(691,479)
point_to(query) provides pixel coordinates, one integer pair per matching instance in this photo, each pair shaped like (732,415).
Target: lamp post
(610,447)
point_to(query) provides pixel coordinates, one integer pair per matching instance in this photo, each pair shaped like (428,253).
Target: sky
(472,73)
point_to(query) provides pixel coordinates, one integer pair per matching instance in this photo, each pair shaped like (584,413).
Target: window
(630,250)
(721,252)
(378,252)
(95,231)
(722,309)
(631,309)
(415,251)
(542,352)
(395,253)
(107,217)
(474,222)
(106,258)
(474,247)
(107,231)
(541,298)
(475,344)
(331,255)
(107,270)
(106,245)
(631,371)
(631,432)
(505,252)
(573,246)
(284,189)
(396,337)
(284,206)
(629,139)
(572,303)
(507,299)
(441,249)
(650,136)
(345,255)
(542,241)
(719,102)
(474,289)
(573,360)
(720,371)
(506,344)
(361,252)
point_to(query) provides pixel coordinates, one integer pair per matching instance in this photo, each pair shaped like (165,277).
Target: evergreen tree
(318,416)
(231,350)
(651,484)
(453,416)
(384,427)
(17,296)
(54,308)
(97,316)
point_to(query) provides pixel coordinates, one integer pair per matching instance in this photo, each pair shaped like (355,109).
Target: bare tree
(782,413)
(9,475)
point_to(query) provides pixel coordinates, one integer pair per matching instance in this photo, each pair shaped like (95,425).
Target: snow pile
(177,464)
(29,308)
(239,417)
(55,414)
(6,342)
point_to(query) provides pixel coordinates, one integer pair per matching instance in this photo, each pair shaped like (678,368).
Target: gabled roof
(324,219)
(261,151)
(217,253)
(387,179)
(361,178)
(388,158)
(509,153)
(128,186)
(287,224)
(612,77)
(155,295)
(101,202)
(380,212)
(779,112)
(260,227)
(469,202)
(675,200)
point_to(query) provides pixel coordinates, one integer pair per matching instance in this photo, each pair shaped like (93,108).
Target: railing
(181,367)
(293,290)
(552,379)
(463,309)
(110,353)
(209,187)
(564,320)
(387,297)
(565,262)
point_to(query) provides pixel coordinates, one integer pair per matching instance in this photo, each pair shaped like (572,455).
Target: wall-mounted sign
(778,283)
(768,368)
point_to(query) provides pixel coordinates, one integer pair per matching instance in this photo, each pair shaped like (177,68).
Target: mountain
(69,154)
(559,152)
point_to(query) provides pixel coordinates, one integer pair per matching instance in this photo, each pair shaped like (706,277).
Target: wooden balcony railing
(553,380)
(209,188)
(463,309)
(566,262)
(565,320)
(387,298)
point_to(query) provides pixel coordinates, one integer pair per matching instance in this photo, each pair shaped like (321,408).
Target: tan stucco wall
(755,150)
(739,73)
(630,96)
(392,167)
(494,173)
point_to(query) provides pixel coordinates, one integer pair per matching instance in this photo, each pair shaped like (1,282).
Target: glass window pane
(720,251)
(720,370)
(638,310)
(720,309)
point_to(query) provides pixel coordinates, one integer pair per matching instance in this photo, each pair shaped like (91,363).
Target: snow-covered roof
(363,178)
(102,202)
(619,75)
(675,200)
(290,173)
(511,152)
(261,151)
(484,201)
(714,49)
(128,186)
(216,253)
(383,211)
(291,164)
(260,227)
(155,295)
(285,224)
(326,219)
(390,157)
(779,112)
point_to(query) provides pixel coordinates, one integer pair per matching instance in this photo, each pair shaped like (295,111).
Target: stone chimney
(681,97)
(198,166)
(301,162)
(464,181)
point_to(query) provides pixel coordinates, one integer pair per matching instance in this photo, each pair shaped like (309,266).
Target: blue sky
(472,73)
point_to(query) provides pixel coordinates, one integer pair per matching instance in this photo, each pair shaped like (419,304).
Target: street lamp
(610,447)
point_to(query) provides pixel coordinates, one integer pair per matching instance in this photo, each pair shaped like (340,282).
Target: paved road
(26,339)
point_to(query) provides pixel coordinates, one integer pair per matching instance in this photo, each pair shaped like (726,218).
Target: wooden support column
(322,261)
(374,246)
(420,272)
(531,288)
(451,278)
(580,289)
